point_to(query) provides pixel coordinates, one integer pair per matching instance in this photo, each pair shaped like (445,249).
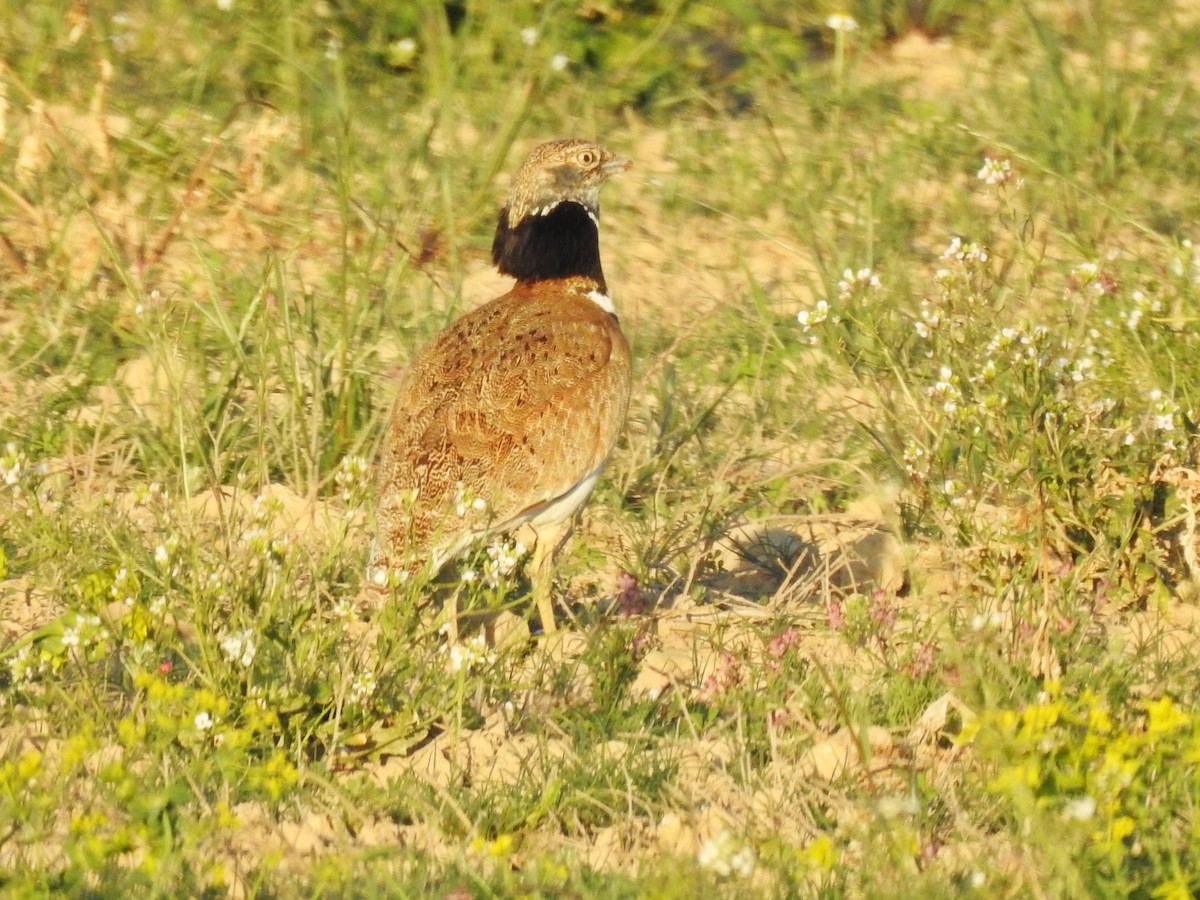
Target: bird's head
(556,172)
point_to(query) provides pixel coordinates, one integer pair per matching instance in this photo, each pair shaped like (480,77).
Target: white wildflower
(897,805)
(1005,338)
(265,508)
(464,500)
(914,453)
(362,687)
(995,171)
(966,253)
(121,34)
(14,465)
(1080,809)
(89,631)
(841,22)
(529,36)
(256,538)
(726,855)
(503,559)
(122,587)
(351,480)
(1141,306)
(26,664)
(815,316)
(559,62)
(743,861)
(203,721)
(240,647)
(1194,268)
(946,390)
(402,52)
(1165,411)
(465,656)
(854,281)
(986,621)
(931,318)
(1164,422)
(1082,369)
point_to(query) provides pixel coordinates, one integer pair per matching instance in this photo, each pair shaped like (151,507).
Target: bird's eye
(587,158)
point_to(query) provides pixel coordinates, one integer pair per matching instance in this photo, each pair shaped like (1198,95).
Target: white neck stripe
(603,301)
(551,207)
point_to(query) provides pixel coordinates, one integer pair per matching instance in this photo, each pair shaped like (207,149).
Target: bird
(508,416)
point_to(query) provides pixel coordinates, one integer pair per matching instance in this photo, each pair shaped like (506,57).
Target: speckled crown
(556,172)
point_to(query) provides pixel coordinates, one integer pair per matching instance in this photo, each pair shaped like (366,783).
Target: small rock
(834,756)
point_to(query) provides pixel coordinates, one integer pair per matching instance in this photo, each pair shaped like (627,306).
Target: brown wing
(511,406)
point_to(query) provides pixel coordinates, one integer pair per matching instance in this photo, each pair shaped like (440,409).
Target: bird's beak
(617,164)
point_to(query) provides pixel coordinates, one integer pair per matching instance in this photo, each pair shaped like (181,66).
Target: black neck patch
(562,243)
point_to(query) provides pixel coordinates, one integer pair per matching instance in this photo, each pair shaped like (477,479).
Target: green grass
(222,232)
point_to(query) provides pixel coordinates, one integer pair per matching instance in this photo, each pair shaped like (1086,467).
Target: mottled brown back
(512,406)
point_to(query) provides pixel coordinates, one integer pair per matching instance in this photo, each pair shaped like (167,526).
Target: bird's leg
(549,538)
(450,614)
